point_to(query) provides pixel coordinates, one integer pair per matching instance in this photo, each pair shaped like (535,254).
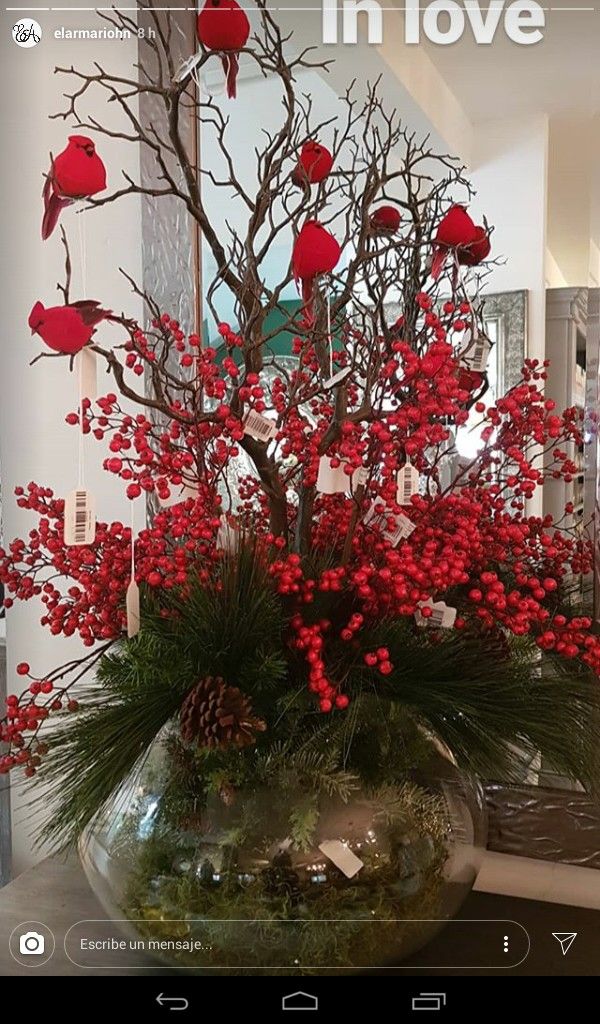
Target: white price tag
(407,482)
(442,615)
(331,479)
(80,518)
(187,67)
(133,609)
(179,493)
(475,352)
(338,377)
(342,856)
(259,427)
(359,477)
(88,373)
(227,536)
(403,527)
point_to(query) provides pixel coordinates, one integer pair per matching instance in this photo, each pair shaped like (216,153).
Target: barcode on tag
(477,360)
(132,603)
(407,483)
(259,427)
(80,519)
(403,527)
(338,377)
(477,353)
(442,615)
(342,856)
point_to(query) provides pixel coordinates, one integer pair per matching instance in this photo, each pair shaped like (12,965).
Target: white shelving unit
(566,328)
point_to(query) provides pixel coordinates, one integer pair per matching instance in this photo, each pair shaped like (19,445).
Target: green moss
(255,909)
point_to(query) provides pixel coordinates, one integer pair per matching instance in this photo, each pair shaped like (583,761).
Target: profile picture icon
(32,944)
(27,32)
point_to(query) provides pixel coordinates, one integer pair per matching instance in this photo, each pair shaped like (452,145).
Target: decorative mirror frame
(505,316)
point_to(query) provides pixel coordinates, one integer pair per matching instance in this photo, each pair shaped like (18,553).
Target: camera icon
(32,944)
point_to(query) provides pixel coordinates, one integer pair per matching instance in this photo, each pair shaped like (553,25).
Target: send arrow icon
(566,940)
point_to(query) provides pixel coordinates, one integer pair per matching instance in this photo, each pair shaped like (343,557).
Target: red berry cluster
(467,536)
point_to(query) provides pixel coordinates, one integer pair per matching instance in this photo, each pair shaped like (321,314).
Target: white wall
(35,442)
(510,175)
(571,172)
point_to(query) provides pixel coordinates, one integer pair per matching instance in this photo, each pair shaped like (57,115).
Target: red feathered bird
(67,329)
(477,250)
(76,173)
(223,26)
(455,231)
(385,220)
(314,164)
(315,252)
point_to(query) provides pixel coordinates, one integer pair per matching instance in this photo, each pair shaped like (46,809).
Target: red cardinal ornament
(385,220)
(455,231)
(67,329)
(314,164)
(223,26)
(315,252)
(477,250)
(76,173)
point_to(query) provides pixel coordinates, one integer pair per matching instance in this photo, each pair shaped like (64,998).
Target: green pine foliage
(492,700)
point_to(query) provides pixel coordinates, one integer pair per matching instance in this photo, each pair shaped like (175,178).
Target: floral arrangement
(319,560)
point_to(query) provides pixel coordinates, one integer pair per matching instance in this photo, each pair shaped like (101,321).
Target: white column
(510,174)
(35,442)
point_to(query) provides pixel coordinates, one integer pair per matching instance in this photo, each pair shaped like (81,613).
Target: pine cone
(214,715)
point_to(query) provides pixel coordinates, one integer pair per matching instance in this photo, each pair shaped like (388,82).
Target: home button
(299,1001)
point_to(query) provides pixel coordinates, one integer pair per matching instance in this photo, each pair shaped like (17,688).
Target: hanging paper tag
(359,477)
(407,481)
(476,352)
(259,427)
(227,536)
(402,528)
(179,493)
(187,67)
(331,479)
(80,519)
(133,609)
(370,514)
(338,377)
(342,856)
(442,615)
(88,376)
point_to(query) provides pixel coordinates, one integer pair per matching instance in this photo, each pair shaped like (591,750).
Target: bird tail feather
(308,292)
(231,64)
(437,265)
(53,205)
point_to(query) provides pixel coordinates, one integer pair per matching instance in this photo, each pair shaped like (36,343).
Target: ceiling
(559,75)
